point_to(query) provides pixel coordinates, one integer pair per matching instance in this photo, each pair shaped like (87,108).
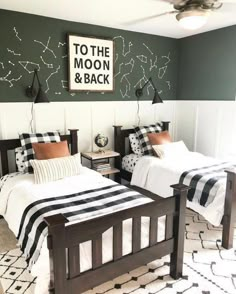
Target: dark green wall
(207,66)
(130,68)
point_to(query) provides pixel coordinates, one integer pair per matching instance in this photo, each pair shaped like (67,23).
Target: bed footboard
(229,217)
(64,241)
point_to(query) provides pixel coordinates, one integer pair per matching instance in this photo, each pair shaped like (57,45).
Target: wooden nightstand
(100,161)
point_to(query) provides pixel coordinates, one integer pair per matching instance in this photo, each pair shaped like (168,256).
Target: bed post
(118,145)
(229,209)
(74,140)
(165,125)
(176,258)
(57,256)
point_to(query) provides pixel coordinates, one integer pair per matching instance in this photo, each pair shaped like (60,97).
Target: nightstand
(100,161)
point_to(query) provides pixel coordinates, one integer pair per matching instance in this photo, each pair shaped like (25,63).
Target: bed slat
(74,261)
(153,231)
(117,241)
(169,227)
(136,234)
(97,252)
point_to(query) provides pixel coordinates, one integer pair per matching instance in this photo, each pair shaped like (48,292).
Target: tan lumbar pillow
(51,150)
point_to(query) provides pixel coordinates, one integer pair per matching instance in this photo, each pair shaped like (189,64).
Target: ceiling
(117,13)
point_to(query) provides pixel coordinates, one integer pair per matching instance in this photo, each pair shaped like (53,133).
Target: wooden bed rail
(64,241)
(229,217)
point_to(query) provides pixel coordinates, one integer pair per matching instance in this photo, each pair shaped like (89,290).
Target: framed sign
(91,66)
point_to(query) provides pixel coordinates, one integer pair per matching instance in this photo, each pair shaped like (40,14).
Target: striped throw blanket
(75,207)
(205,182)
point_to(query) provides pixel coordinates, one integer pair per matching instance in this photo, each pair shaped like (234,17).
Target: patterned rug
(208,268)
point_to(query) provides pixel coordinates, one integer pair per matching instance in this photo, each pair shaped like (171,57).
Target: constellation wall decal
(46,47)
(13,64)
(143,79)
(49,65)
(153,64)
(51,74)
(64,84)
(13,52)
(17,34)
(167,57)
(162,72)
(148,48)
(168,84)
(25,64)
(61,44)
(125,94)
(130,44)
(5,79)
(142,58)
(2,65)
(64,56)
(117,55)
(120,65)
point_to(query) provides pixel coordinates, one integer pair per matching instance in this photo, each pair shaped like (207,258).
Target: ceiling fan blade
(149,17)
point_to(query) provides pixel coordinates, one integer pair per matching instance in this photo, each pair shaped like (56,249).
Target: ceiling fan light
(192,20)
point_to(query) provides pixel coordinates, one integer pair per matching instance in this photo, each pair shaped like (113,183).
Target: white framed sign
(91,64)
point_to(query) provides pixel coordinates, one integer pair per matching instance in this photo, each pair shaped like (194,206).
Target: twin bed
(83,230)
(202,173)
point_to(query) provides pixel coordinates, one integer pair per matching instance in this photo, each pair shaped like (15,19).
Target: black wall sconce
(31,92)
(156,98)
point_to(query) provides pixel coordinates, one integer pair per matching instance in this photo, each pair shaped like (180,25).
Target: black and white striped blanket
(75,207)
(205,182)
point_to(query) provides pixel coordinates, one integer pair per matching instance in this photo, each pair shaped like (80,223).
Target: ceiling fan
(191,14)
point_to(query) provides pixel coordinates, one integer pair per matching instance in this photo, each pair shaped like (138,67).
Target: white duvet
(19,191)
(156,175)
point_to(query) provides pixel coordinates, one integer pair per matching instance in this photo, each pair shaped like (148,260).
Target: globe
(101,140)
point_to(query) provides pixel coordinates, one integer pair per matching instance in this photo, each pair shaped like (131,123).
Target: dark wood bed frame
(121,145)
(64,239)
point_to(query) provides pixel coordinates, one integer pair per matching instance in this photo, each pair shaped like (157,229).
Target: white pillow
(19,153)
(55,169)
(135,144)
(170,150)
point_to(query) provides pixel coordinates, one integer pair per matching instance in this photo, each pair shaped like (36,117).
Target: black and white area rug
(208,268)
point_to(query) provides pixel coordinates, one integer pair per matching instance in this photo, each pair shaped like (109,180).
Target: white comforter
(19,191)
(157,175)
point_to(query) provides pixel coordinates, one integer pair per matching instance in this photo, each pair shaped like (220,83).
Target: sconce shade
(156,98)
(40,96)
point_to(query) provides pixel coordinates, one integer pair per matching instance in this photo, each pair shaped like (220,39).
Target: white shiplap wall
(205,126)
(90,118)
(208,127)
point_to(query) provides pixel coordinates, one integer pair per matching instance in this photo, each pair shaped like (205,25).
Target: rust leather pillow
(159,138)
(50,150)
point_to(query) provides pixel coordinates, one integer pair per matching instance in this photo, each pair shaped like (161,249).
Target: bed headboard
(121,137)
(11,144)
(122,145)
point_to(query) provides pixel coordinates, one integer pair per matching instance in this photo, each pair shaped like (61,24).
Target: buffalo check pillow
(26,143)
(142,132)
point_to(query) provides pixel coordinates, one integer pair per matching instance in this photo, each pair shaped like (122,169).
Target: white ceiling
(117,13)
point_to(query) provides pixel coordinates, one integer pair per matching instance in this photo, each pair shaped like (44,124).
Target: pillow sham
(142,132)
(170,150)
(26,143)
(51,150)
(19,154)
(135,144)
(159,138)
(50,170)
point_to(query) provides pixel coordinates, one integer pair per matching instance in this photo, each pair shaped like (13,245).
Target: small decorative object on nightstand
(100,161)
(101,141)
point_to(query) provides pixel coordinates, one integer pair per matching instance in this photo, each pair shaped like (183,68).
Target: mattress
(129,161)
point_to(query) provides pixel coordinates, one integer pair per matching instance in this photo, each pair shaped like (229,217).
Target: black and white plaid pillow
(142,132)
(26,143)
